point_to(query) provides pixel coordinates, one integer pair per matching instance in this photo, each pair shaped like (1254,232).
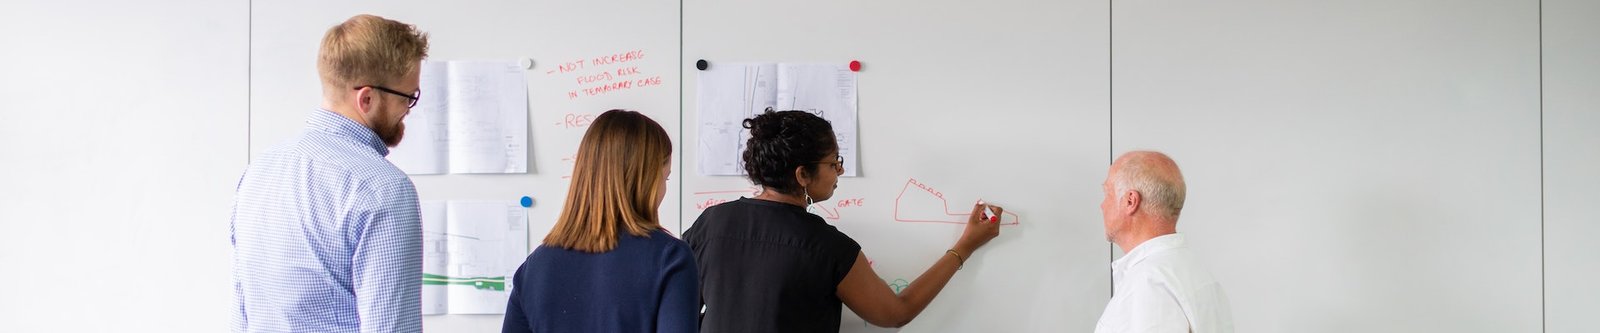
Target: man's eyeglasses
(412,97)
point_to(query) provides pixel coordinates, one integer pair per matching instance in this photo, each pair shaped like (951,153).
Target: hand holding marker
(988,212)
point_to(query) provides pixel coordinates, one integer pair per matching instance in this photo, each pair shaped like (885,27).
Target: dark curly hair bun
(782,140)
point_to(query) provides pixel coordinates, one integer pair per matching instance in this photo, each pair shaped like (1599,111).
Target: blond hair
(369,50)
(615,182)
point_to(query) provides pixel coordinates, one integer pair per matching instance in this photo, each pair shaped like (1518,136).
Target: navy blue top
(646,284)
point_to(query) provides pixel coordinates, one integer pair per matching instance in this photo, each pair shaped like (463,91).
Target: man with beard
(326,233)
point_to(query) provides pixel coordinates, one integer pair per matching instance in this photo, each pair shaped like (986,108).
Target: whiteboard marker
(987,214)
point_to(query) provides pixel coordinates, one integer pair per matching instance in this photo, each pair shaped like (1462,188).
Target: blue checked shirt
(327,236)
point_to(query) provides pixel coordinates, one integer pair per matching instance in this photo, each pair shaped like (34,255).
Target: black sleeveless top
(769,267)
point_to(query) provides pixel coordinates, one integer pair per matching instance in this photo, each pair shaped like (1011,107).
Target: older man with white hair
(1159,285)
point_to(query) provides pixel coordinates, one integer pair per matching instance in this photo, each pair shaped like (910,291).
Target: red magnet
(855,66)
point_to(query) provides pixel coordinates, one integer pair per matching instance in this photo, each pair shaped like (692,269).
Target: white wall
(1366,166)
(122,135)
(998,100)
(1571,164)
(1352,166)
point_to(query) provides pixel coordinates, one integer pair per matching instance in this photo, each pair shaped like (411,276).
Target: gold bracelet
(959,260)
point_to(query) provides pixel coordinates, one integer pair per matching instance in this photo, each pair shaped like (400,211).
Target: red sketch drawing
(830,209)
(919,202)
(706,199)
(827,209)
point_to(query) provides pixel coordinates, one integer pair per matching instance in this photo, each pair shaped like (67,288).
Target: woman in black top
(767,265)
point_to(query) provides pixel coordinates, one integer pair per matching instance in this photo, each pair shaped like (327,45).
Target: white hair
(1161,190)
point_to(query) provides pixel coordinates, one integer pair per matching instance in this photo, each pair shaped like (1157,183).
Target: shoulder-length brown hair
(615,182)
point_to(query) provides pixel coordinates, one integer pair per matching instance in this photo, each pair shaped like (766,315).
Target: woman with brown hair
(608,266)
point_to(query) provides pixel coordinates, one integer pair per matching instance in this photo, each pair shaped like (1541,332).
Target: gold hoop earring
(809,202)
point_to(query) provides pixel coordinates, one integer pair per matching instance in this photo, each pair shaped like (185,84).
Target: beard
(392,134)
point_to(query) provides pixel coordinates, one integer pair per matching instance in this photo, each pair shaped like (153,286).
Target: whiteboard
(284,85)
(1352,166)
(1366,166)
(970,100)
(122,136)
(1571,48)
(1350,169)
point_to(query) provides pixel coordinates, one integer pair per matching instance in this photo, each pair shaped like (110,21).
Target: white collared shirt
(1160,286)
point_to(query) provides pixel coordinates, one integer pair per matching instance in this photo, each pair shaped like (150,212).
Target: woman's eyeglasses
(838,164)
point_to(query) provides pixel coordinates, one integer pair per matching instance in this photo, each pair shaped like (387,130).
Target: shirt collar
(1148,248)
(337,124)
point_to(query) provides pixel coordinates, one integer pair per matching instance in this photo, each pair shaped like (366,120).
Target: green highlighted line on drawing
(497,283)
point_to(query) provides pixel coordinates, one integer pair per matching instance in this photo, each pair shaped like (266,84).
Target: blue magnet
(527,201)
